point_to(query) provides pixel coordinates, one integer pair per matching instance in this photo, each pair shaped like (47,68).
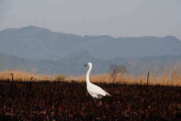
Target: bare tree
(117,69)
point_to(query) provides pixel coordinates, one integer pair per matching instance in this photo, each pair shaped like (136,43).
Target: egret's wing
(98,90)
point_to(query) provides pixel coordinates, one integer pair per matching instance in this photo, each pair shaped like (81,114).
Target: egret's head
(88,64)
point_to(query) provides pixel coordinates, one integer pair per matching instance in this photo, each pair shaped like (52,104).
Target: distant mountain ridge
(39,43)
(38,49)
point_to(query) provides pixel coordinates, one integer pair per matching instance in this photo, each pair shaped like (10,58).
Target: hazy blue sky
(113,17)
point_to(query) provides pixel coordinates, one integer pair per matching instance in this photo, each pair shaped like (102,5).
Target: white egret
(94,90)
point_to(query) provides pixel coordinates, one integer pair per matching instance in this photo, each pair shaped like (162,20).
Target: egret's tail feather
(108,94)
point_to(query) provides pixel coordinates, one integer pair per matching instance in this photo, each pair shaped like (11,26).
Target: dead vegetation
(166,78)
(63,101)
(16,75)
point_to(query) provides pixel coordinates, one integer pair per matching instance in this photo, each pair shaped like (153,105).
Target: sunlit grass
(164,79)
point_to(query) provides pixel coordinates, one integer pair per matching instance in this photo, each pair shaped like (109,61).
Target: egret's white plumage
(94,90)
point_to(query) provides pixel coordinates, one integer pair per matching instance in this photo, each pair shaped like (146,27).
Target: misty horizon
(105,32)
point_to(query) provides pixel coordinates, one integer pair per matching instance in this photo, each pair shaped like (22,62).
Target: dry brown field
(165,79)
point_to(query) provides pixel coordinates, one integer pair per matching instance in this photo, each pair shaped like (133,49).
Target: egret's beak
(85,65)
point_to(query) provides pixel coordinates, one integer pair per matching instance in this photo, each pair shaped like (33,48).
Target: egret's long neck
(88,75)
